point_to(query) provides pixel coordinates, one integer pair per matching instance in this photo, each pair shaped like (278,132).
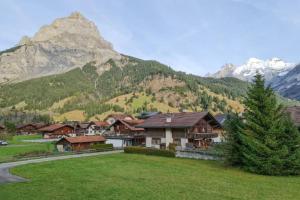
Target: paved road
(6,177)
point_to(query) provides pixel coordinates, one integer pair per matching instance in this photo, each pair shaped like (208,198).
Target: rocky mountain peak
(66,43)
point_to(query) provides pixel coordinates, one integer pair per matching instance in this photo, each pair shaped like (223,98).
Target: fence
(198,154)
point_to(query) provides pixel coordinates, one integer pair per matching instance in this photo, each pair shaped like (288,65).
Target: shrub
(102,146)
(172,147)
(149,151)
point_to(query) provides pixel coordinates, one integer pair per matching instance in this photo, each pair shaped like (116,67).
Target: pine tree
(270,142)
(232,148)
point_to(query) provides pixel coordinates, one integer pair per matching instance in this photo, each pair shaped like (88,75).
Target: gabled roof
(2,127)
(178,120)
(221,118)
(84,125)
(35,125)
(54,127)
(84,139)
(101,123)
(294,112)
(130,124)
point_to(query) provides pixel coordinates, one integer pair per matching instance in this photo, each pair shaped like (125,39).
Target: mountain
(65,44)
(269,68)
(288,85)
(69,72)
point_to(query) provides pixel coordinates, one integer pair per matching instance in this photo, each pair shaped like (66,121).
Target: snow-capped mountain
(269,68)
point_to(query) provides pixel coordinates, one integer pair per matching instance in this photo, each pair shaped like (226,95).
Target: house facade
(186,129)
(57,131)
(124,133)
(30,128)
(78,143)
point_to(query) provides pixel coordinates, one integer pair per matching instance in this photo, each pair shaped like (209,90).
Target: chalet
(2,129)
(83,128)
(110,119)
(98,128)
(125,133)
(30,128)
(57,131)
(294,112)
(78,143)
(186,129)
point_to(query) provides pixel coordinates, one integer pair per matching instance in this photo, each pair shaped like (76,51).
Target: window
(156,141)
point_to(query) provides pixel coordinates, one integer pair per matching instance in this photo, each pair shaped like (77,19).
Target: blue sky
(195,36)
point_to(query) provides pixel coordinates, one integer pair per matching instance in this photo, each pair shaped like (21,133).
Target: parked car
(3,143)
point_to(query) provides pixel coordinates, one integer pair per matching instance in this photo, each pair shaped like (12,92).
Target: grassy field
(128,176)
(16,147)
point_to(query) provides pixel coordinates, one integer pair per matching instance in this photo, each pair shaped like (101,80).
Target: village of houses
(185,130)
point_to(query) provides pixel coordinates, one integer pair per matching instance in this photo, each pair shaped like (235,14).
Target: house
(183,129)
(78,143)
(83,128)
(98,127)
(110,119)
(30,128)
(294,112)
(57,131)
(124,133)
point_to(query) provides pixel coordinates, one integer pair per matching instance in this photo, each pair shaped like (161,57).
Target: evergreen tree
(270,142)
(233,127)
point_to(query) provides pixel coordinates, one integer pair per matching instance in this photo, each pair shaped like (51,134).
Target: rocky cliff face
(288,85)
(67,43)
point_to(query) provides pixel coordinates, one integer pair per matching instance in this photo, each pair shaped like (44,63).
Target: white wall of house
(60,148)
(115,142)
(148,141)
(169,138)
(183,142)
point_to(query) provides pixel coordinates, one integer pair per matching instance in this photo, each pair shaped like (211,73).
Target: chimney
(168,119)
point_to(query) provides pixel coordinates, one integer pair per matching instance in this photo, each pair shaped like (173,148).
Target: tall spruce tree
(232,148)
(269,141)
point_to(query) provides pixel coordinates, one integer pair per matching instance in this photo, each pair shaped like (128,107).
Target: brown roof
(178,120)
(101,123)
(2,127)
(35,125)
(54,127)
(131,124)
(85,139)
(295,114)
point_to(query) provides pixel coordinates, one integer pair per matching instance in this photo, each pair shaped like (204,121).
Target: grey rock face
(65,44)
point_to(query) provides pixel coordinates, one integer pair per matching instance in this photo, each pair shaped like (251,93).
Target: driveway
(6,177)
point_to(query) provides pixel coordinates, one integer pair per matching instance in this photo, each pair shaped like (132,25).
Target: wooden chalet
(294,112)
(125,133)
(185,129)
(30,128)
(57,131)
(78,143)
(110,119)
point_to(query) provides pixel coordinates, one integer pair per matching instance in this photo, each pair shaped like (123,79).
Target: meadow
(130,176)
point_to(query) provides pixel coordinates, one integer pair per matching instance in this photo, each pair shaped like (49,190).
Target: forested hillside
(83,89)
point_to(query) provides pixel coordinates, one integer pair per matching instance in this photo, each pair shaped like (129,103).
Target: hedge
(102,146)
(149,151)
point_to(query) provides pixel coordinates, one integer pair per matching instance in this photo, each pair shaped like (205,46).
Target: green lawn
(16,146)
(128,176)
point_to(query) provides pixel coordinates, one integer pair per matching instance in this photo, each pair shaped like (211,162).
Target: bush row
(149,151)
(102,146)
